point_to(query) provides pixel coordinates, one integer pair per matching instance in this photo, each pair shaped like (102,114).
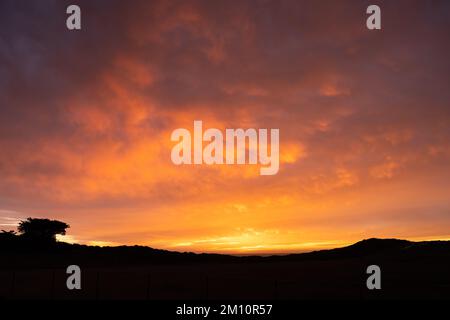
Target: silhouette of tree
(42,229)
(11,232)
(7,235)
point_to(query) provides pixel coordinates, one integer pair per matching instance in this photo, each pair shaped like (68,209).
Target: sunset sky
(364,118)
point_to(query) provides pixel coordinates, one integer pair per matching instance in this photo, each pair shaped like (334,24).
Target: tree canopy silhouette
(42,229)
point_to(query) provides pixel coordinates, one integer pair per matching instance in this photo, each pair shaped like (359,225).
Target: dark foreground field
(408,270)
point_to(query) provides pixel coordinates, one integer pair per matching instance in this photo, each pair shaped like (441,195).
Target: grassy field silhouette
(36,270)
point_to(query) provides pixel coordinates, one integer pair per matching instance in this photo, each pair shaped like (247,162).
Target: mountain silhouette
(95,255)
(409,270)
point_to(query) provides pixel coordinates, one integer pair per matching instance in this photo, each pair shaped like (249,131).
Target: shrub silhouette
(8,235)
(42,229)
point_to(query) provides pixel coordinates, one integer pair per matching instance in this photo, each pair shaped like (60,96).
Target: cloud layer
(86,117)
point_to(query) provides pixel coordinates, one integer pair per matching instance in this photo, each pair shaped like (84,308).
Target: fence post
(13,284)
(206,287)
(276,289)
(97,286)
(52,293)
(148,285)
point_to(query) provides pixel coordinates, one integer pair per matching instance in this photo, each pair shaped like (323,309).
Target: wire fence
(145,285)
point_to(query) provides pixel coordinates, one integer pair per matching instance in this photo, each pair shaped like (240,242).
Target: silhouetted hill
(30,269)
(22,253)
(360,249)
